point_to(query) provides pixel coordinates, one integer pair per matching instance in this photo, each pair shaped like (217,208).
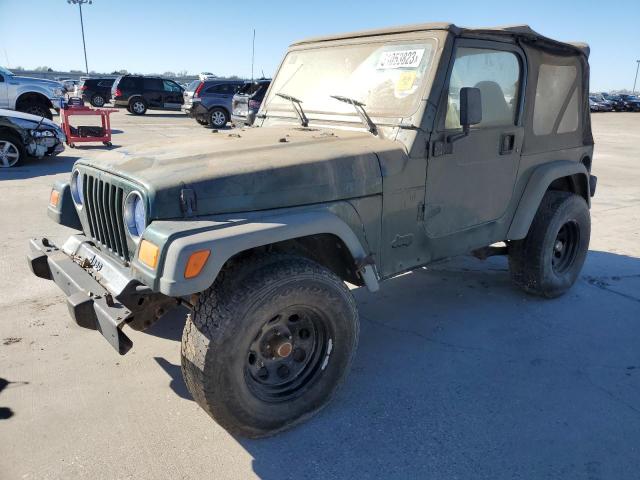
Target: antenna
(253,52)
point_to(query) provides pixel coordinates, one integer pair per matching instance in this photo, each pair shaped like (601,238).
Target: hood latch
(188,202)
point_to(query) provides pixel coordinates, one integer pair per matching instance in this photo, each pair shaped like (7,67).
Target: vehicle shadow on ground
(159,115)
(5,412)
(34,167)
(460,375)
(99,146)
(177,382)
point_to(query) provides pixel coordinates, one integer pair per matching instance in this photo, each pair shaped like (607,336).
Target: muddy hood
(251,169)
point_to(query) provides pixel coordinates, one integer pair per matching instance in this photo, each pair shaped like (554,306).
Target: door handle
(507,143)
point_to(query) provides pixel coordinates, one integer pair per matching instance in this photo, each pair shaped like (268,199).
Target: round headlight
(135,215)
(76,188)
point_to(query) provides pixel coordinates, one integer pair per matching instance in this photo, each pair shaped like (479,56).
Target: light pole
(80,3)
(634,82)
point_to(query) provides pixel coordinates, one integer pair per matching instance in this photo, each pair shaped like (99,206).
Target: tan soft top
(514,31)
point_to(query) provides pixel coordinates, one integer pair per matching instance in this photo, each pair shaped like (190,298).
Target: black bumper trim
(90,304)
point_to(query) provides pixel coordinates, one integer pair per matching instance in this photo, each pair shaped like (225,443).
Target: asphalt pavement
(459,375)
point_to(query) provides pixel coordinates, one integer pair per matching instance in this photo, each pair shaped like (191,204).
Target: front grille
(104,202)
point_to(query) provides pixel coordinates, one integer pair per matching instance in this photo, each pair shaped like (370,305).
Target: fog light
(196,263)
(53,199)
(148,253)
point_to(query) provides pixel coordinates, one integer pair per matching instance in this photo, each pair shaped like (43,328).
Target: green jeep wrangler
(374,153)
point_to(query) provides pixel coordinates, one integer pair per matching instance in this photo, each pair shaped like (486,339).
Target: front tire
(37,108)
(549,259)
(267,346)
(12,151)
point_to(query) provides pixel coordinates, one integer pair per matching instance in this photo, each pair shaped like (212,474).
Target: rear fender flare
(537,186)
(228,240)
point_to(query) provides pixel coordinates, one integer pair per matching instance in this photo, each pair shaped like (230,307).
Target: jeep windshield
(387,77)
(4,71)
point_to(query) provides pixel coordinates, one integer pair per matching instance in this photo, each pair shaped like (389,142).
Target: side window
(497,75)
(152,84)
(128,83)
(219,89)
(1,79)
(170,86)
(555,84)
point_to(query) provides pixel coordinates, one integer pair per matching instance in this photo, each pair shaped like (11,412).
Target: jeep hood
(252,169)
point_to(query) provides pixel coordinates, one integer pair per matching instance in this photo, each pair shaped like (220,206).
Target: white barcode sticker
(400,59)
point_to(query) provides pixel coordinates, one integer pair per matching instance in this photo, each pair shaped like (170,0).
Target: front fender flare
(228,239)
(537,186)
(35,90)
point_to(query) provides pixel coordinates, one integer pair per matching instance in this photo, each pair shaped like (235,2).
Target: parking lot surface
(458,373)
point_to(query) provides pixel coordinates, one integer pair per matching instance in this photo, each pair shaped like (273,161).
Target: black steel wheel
(549,259)
(269,343)
(287,353)
(565,247)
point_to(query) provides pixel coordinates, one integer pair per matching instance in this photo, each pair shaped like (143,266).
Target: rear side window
(557,100)
(223,88)
(128,83)
(496,74)
(153,84)
(105,83)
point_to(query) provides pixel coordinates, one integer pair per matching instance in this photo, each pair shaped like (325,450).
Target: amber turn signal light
(53,199)
(148,253)
(196,263)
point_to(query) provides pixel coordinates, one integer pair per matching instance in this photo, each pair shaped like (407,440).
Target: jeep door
(153,92)
(469,189)
(172,95)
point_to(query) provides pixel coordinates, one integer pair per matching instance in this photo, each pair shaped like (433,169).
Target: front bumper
(93,283)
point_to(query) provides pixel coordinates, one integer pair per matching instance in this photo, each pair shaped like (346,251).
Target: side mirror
(470,114)
(470,107)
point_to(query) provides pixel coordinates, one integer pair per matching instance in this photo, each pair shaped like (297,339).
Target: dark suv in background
(96,91)
(247,101)
(139,93)
(210,103)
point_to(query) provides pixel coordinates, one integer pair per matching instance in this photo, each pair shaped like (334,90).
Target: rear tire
(549,259)
(12,150)
(98,101)
(137,106)
(267,346)
(218,118)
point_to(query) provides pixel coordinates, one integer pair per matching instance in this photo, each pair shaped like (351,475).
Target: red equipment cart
(83,134)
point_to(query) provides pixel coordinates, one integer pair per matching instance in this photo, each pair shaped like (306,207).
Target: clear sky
(207,35)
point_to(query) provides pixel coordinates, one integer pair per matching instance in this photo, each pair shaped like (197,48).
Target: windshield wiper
(362,113)
(297,106)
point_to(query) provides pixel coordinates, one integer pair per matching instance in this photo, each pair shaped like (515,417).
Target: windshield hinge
(188,202)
